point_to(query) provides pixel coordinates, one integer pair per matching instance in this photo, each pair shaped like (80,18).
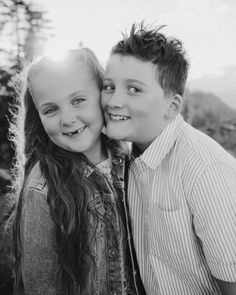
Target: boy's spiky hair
(149,44)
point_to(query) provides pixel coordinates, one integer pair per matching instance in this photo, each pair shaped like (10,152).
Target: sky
(206,27)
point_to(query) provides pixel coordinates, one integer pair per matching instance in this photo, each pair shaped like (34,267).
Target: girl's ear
(175,106)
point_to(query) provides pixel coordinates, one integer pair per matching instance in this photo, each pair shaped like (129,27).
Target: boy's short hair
(148,44)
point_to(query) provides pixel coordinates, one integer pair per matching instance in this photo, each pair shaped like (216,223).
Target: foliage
(24,29)
(7,205)
(209,114)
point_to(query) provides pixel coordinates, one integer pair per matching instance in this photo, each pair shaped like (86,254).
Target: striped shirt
(182,198)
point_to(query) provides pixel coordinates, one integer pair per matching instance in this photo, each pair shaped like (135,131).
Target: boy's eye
(49,110)
(77,100)
(108,88)
(133,89)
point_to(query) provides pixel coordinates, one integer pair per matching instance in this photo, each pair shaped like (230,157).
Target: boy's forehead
(124,59)
(130,67)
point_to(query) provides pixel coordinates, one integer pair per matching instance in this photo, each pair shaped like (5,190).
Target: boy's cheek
(104,99)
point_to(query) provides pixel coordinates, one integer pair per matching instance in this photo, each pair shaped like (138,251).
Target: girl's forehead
(51,84)
(52,69)
(58,75)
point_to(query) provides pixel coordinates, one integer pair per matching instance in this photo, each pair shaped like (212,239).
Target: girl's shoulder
(36,180)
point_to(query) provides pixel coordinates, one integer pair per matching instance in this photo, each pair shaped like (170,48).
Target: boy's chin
(113,134)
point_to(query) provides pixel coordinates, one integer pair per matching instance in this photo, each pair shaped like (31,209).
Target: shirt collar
(160,147)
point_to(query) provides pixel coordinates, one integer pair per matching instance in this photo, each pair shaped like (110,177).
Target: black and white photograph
(117,147)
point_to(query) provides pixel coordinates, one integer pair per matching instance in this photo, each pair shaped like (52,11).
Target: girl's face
(68,102)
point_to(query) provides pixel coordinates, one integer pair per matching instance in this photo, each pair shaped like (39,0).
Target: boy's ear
(175,106)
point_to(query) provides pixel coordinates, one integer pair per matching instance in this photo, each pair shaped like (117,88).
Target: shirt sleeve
(214,208)
(39,256)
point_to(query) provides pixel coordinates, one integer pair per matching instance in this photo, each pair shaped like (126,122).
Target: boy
(182,184)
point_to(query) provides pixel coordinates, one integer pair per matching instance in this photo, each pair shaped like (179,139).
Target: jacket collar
(116,152)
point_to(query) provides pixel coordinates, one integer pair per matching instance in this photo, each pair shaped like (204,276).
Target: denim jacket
(115,270)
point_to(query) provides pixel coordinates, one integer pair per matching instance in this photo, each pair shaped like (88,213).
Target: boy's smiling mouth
(118,117)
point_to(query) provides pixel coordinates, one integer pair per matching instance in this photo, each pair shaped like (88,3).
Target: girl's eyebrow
(76,93)
(71,95)
(107,79)
(46,104)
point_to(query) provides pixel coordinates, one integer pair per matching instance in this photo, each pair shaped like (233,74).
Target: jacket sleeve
(39,256)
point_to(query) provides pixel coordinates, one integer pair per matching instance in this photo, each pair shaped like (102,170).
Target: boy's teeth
(119,117)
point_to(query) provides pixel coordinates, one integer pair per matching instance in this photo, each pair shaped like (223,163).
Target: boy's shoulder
(200,145)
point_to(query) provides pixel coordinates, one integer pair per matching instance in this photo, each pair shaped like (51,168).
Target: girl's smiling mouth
(78,131)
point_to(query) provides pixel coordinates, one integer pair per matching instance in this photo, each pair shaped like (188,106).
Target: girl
(71,233)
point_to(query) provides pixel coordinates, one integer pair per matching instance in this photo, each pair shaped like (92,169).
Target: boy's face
(133,101)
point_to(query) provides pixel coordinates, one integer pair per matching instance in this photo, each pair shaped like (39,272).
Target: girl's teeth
(71,133)
(81,129)
(75,132)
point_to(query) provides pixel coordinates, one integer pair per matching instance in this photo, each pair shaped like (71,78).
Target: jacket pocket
(96,205)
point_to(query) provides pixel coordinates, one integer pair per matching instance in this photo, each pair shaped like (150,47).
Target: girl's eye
(108,88)
(77,100)
(49,111)
(134,90)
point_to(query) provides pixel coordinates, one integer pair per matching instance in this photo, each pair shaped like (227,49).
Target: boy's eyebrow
(135,81)
(126,80)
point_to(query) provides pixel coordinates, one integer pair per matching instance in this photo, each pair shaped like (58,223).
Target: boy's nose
(116,100)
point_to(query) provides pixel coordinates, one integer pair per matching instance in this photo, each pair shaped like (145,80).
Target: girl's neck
(98,153)
(100,157)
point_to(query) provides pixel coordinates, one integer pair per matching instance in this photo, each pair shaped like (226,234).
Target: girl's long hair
(68,190)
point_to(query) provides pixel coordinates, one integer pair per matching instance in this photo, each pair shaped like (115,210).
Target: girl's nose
(68,117)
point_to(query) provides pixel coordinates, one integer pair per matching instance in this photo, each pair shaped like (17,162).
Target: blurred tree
(208,113)
(24,29)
